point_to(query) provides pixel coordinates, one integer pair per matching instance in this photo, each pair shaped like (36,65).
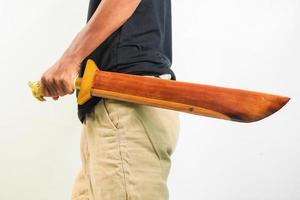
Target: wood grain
(212,101)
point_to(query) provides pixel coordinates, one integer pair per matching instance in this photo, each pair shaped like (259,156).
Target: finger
(64,86)
(70,89)
(49,90)
(55,98)
(55,88)
(52,90)
(44,89)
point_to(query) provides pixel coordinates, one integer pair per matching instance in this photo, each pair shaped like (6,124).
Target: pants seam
(122,163)
(87,166)
(117,130)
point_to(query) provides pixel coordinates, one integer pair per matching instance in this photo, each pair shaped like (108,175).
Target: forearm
(109,16)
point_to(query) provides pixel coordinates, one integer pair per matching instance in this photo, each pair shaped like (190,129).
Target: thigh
(148,137)
(81,189)
(162,127)
(128,148)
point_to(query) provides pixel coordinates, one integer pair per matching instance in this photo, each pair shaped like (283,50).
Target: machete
(205,100)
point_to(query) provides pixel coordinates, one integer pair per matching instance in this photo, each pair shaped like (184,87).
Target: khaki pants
(125,152)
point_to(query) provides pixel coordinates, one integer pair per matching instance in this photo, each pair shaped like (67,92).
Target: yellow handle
(37,91)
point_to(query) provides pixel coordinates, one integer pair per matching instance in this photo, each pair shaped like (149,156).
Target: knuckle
(70,90)
(55,80)
(63,81)
(43,79)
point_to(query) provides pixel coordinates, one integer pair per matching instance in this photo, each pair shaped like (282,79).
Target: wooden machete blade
(205,100)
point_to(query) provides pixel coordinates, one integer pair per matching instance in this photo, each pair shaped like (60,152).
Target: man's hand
(58,80)
(109,16)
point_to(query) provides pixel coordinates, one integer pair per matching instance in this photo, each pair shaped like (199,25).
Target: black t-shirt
(141,46)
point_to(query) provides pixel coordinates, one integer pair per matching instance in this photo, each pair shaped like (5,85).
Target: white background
(243,44)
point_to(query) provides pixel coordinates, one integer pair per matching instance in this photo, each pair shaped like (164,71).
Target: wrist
(71,58)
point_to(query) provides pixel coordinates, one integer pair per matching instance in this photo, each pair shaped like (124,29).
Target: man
(125,147)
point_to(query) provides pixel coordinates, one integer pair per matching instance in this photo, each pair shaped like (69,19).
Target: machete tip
(284,101)
(275,106)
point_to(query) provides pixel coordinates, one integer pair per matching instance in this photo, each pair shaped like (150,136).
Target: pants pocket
(111,112)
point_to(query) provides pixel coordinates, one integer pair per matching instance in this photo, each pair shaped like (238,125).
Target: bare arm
(109,16)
